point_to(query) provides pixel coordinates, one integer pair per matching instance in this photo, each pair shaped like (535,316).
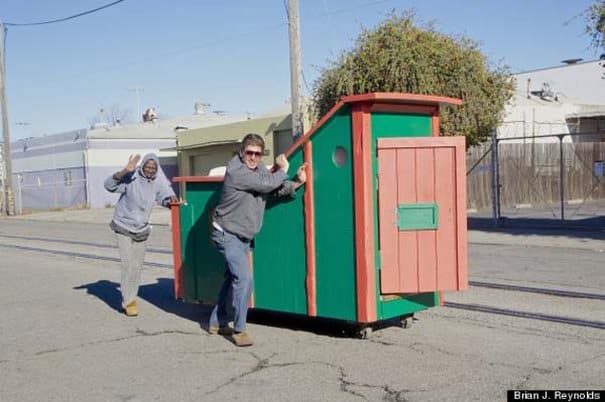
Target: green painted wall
(334,220)
(203,266)
(390,125)
(279,253)
(406,305)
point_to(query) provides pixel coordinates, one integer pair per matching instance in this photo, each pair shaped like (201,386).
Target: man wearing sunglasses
(236,221)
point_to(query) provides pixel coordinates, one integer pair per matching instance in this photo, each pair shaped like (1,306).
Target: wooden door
(422,214)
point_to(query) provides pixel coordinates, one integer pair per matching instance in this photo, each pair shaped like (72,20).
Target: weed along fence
(379,231)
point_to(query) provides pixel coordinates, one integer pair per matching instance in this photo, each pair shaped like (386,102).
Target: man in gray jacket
(237,219)
(139,190)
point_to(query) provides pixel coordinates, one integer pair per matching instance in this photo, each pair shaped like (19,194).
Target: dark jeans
(238,284)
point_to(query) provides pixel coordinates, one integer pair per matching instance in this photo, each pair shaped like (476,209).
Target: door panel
(422,223)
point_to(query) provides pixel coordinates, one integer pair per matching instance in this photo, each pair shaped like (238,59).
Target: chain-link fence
(60,188)
(552,176)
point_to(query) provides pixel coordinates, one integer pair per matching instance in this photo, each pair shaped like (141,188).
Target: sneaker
(242,339)
(220,331)
(131,309)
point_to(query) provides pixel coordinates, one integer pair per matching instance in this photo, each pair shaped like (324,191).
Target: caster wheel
(406,322)
(364,333)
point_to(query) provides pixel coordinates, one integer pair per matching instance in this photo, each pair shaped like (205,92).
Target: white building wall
(574,88)
(580,83)
(535,118)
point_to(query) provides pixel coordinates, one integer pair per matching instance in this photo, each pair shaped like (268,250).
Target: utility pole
(295,69)
(8,169)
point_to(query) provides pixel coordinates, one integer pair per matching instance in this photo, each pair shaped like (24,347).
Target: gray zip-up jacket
(138,195)
(242,205)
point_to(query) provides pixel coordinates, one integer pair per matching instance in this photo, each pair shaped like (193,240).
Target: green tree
(399,56)
(595,24)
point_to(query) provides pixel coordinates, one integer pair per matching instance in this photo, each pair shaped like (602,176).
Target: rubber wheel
(364,333)
(406,322)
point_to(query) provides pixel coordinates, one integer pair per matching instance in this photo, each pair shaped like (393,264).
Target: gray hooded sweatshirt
(242,205)
(138,195)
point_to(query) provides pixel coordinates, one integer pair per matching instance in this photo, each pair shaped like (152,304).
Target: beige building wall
(203,149)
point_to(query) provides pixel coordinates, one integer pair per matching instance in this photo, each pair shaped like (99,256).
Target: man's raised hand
(301,173)
(133,161)
(282,162)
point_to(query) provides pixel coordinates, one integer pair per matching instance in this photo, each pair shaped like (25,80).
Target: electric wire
(14,24)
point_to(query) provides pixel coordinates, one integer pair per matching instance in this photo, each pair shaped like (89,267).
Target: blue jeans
(238,282)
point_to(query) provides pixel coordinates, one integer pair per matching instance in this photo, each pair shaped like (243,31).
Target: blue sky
(233,54)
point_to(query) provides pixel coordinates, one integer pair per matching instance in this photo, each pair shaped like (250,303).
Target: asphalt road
(62,337)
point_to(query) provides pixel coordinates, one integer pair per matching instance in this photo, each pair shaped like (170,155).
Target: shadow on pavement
(318,326)
(161,295)
(589,228)
(105,291)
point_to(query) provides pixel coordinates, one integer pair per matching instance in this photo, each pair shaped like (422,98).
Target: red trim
(197,179)
(176,251)
(399,97)
(430,102)
(309,211)
(364,217)
(313,129)
(415,104)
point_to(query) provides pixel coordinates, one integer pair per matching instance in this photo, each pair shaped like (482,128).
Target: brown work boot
(220,331)
(242,339)
(131,309)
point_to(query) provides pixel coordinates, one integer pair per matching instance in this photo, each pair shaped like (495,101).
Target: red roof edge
(377,97)
(400,97)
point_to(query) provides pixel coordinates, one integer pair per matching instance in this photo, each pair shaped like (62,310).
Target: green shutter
(418,216)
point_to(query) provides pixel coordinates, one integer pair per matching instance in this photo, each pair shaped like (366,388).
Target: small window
(67,178)
(339,157)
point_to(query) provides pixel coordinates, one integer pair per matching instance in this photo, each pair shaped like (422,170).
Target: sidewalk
(159,216)
(509,236)
(526,238)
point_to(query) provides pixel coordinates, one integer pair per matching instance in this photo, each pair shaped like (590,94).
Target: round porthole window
(339,157)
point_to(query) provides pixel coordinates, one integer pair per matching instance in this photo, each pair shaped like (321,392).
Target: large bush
(399,56)
(595,24)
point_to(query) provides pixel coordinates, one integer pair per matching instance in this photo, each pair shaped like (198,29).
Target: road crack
(138,333)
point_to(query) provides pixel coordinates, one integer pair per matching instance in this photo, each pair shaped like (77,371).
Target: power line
(66,18)
(305,82)
(204,45)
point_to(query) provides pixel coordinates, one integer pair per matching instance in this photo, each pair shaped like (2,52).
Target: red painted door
(422,214)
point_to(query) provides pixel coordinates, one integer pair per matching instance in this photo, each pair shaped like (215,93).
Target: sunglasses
(253,153)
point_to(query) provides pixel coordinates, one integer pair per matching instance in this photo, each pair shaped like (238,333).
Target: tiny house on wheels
(378,231)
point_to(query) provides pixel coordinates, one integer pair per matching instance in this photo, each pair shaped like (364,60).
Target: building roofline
(557,67)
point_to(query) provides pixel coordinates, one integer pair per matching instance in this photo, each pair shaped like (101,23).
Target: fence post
(495,180)
(561,177)
(19,194)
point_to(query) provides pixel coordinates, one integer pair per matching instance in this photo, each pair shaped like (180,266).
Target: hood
(146,158)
